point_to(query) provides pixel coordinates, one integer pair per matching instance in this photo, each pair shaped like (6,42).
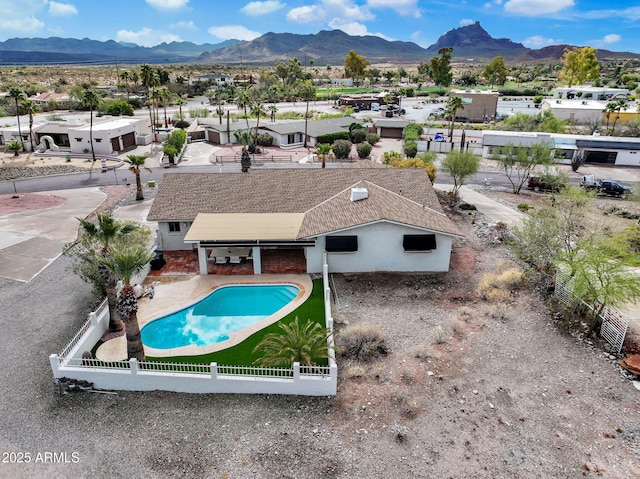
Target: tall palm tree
(308,92)
(29,107)
(608,110)
(91,99)
(148,81)
(243,101)
(180,102)
(125,76)
(105,231)
(454,104)
(304,344)
(619,105)
(136,162)
(123,262)
(257,110)
(272,112)
(18,95)
(164,94)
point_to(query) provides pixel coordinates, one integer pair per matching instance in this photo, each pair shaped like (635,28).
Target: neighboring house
(365,219)
(577,111)
(285,133)
(390,128)
(109,136)
(216,78)
(619,151)
(586,92)
(479,105)
(44,99)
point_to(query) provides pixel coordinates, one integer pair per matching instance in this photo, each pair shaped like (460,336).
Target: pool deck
(176,292)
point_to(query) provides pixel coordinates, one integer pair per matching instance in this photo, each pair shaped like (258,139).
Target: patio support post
(202,260)
(257,260)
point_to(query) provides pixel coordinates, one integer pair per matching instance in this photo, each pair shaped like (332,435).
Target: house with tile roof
(359,219)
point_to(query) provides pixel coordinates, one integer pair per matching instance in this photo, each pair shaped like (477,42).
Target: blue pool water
(212,319)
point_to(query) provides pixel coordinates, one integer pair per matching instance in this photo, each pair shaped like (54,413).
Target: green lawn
(241,354)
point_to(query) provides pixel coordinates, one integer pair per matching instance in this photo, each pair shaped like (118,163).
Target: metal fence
(614,323)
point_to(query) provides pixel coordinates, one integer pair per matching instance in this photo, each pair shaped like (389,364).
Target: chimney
(359,194)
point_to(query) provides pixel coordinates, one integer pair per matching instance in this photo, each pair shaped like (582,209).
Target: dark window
(174,226)
(419,242)
(98,140)
(341,244)
(78,139)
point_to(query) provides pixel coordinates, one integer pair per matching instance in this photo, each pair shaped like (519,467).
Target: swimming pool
(211,320)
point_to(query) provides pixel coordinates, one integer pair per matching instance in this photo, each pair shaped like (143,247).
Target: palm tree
(180,102)
(619,105)
(164,94)
(18,95)
(137,162)
(123,262)
(323,150)
(454,104)
(244,100)
(244,138)
(126,76)
(106,230)
(272,112)
(15,146)
(30,108)
(297,344)
(148,81)
(91,99)
(307,91)
(257,110)
(608,110)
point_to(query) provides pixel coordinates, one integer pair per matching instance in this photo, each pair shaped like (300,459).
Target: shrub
(117,108)
(364,150)
(265,139)
(332,137)
(181,124)
(410,149)
(467,207)
(372,138)
(414,128)
(342,149)
(523,207)
(177,139)
(496,287)
(429,157)
(358,135)
(362,342)
(400,432)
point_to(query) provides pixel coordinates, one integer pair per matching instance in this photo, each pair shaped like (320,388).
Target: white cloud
(466,21)
(538,41)
(62,9)
(235,32)
(22,26)
(492,3)
(168,4)
(536,8)
(631,13)
(326,10)
(605,41)
(402,7)
(262,8)
(9,9)
(146,37)
(356,29)
(184,25)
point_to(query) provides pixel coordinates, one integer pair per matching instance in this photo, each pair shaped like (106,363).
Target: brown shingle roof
(181,196)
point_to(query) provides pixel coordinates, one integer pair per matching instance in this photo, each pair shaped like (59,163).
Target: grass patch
(241,354)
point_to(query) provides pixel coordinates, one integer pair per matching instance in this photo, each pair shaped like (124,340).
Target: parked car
(606,187)
(537,183)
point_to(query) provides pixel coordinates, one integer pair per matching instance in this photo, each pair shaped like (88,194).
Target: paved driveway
(31,239)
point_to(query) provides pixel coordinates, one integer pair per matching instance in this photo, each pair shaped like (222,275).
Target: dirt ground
(483,391)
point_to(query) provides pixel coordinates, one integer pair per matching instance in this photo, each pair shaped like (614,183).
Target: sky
(612,25)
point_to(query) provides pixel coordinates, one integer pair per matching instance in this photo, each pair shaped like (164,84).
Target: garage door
(391,132)
(607,157)
(115,144)
(128,140)
(214,137)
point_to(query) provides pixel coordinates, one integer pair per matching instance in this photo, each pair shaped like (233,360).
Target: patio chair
(221,260)
(234,259)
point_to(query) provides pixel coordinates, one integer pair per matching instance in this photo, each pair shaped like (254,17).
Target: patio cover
(244,226)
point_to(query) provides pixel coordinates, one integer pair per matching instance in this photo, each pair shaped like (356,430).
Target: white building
(577,111)
(586,92)
(109,136)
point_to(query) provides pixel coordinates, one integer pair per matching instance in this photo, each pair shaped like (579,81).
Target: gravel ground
(482,393)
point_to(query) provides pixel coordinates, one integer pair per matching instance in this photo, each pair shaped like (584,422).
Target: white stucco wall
(170,240)
(380,249)
(628,158)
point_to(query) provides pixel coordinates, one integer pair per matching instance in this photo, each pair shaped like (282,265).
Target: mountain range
(324,47)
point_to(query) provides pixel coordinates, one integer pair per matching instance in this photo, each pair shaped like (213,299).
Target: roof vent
(358,194)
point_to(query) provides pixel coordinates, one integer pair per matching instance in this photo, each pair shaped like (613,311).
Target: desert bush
(439,336)
(342,149)
(362,342)
(400,432)
(331,137)
(356,371)
(410,148)
(524,207)
(358,135)
(181,124)
(363,149)
(421,352)
(265,139)
(498,311)
(497,287)
(372,138)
